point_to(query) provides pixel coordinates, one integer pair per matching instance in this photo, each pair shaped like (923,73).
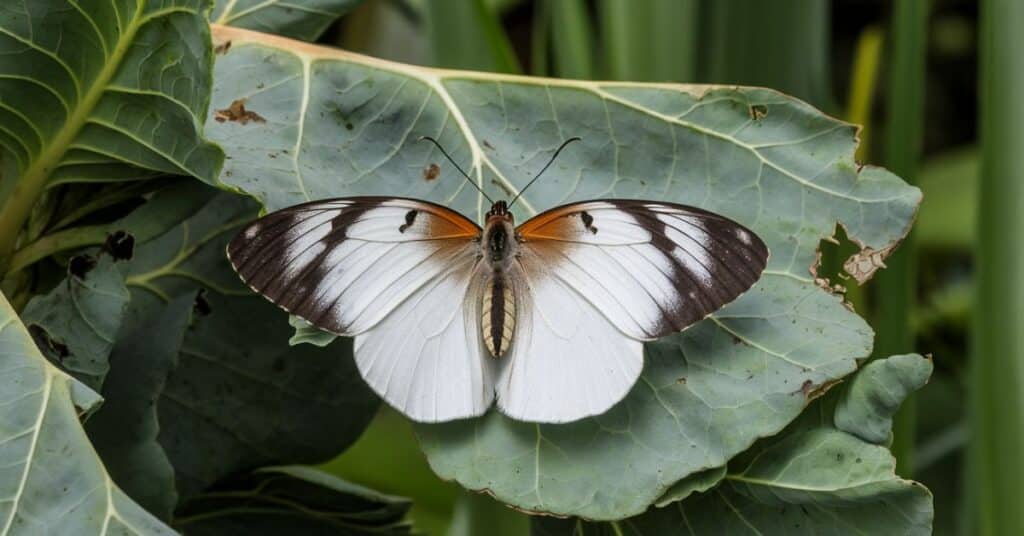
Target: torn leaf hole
(119,245)
(79,265)
(48,345)
(201,305)
(237,113)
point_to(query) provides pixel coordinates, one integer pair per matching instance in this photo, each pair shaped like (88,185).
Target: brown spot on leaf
(222,48)
(431,172)
(237,113)
(758,112)
(681,380)
(810,390)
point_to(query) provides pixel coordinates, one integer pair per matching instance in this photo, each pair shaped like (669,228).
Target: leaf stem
(76,237)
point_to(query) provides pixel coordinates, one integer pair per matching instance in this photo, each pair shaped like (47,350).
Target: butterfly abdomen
(499,316)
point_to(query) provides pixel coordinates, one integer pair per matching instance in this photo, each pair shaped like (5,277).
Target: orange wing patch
(446,223)
(565,223)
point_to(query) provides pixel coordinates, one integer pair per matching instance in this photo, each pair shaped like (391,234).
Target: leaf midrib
(31,183)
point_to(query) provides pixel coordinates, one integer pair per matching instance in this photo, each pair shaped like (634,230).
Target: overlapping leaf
(301,19)
(77,322)
(812,479)
(52,480)
(335,124)
(293,500)
(235,396)
(98,92)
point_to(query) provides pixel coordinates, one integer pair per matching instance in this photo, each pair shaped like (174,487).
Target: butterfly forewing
(651,268)
(344,264)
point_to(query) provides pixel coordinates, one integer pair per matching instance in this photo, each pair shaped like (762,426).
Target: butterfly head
(499,210)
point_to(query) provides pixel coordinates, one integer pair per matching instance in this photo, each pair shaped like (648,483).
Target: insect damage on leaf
(237,113)
(80,265)
(222,48)
(47,344)
(202,305)
(863,264)
(119,245)
(758,112)
(431,172)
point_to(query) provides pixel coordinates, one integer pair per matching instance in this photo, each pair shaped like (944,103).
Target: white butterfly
(548,318)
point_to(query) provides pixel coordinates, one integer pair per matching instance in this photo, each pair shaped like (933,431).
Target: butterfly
(547,319)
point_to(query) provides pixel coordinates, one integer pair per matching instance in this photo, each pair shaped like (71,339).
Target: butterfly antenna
(545,168)
(446,155)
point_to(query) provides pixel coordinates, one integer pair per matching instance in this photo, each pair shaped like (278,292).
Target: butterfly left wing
(395,273)
(343,264)
(602,276)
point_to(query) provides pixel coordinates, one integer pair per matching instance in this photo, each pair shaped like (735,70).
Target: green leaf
(301,19)
(174,207)
(239,396)
(293,500)
(120,87)
(868,404)
(338,124)
(704,396)
(76,323)
(308,333)
(811,479)
(53,481)
(125,431)
(693,483)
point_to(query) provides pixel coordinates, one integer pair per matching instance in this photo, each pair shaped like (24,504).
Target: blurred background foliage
(907,71)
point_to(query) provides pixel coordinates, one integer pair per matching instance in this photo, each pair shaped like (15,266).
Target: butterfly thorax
(498,308)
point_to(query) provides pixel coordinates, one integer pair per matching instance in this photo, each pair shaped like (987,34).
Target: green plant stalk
(572,39)
(539,38)
(75,237)
(863,85)
(626,39)
(468,35)
(895,287)
(673,37)
(783,44)
(997,348)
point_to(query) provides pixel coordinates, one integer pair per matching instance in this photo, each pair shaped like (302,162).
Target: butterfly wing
(602,276)
(394,273)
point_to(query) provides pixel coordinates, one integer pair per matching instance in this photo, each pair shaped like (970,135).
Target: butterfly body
(498,251)
(547,319)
